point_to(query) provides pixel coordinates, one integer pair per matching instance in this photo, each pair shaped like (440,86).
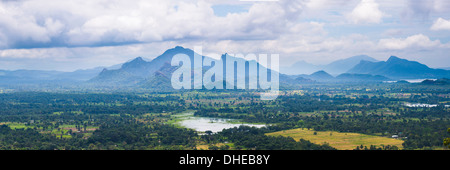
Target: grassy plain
(338,140)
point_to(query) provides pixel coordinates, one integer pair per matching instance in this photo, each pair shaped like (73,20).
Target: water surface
(202,124)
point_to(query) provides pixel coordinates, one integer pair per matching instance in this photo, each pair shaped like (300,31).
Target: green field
(338,140)
(61,131)
(15,125)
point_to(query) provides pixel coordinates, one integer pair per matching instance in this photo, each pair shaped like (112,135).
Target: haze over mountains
(156,74)
(139,71)
(398,68)
(334,68)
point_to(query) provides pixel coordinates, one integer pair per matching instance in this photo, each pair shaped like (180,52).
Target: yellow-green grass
(15,125)
(204,146)
(338,140)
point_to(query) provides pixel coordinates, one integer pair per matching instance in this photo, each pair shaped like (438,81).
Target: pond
(410,80)
(202,124)
(417,80)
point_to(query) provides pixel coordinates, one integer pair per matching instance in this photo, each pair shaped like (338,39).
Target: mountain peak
(362,57)
(321,75)
(320,72)
(138,61)
(177,50)
(343,65)
(394,58)
(179,47)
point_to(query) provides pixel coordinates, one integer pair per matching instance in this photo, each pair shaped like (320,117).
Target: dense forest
(138,121)
(116,133)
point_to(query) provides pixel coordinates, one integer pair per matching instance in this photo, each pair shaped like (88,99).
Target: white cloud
(97,22)
(441,24)
(81,34)
(367,11)
(417,42)
(16,25)
(54,27)
(316,4)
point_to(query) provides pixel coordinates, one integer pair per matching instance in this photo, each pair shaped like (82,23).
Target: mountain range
(334,68)
(322,76)
(156,74)
(397,68)
(40,77)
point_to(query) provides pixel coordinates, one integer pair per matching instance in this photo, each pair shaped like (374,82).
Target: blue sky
(74,34)
(223,10)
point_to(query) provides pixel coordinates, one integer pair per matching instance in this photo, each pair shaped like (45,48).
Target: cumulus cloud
(82,34)
(97,22)
(16,26)
(417,42)
(441,24)
(423,9)
(367,11)
(331,4)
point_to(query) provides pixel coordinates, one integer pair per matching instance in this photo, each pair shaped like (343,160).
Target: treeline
(33,103)
(29,139)
(115,133)
(373,147)
(80,98)
(133,135)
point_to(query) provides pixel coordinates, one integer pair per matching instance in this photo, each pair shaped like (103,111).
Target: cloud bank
(71,34)
(36,23)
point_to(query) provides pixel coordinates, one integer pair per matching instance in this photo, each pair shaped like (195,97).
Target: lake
(417,80)
(202,124)
(410,80)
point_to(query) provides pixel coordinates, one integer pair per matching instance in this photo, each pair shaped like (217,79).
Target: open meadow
(338,140)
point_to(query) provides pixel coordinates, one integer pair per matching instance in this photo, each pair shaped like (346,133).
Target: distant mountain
(300,67)
(398,68)
(130,73)
(80,75)
(157,74)
(304,80)
(335,68)
(320,75)
(342,66)
(39,77)
(323,76)
(137,70)
(26,76)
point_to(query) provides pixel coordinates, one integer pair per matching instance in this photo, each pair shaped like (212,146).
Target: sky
(78,34)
